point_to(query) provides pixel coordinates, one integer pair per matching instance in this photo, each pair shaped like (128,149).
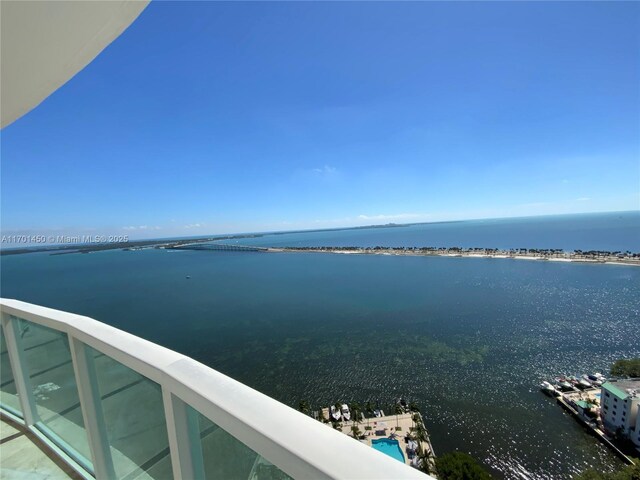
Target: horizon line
(306,230)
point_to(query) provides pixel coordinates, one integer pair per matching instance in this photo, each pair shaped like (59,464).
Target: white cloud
(583,199)
(194,225)
(141,227)
(399,216)
(326,170)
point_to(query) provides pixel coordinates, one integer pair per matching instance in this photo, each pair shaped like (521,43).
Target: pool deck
(383,427)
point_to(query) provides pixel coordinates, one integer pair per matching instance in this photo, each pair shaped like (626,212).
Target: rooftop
(619,387)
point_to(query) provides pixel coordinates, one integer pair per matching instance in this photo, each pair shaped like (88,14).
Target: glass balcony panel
(8,395)
(226,457)
(134,417)
(50,369)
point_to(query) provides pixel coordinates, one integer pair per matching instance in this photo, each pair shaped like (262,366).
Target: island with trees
(550,254)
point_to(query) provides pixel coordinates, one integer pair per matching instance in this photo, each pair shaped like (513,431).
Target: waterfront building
(619,407)
(635,437)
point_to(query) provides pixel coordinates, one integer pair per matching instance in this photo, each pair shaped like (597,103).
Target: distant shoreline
(592,257)
(551,255)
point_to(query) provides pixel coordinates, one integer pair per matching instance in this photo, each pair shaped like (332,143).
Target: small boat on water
(573,381)
(593,380)
(596,378)
(549,389)
(346,414)
(335,413)
(582,383)
(564,384)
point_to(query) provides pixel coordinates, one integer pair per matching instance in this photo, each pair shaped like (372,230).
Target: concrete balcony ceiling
(45,43)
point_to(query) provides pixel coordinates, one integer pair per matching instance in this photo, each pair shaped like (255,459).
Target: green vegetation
(356,410)
(420,431)
(355,431)
(304,407)
(398,411)
(631,472)
(369,409)
(460,466)
(626,368)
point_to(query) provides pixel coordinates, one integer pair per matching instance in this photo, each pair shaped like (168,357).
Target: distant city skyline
(213,117)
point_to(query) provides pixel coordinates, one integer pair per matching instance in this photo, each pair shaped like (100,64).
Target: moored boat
(582,383)
(548,389)
(564,384)
(335,413)
(346,414)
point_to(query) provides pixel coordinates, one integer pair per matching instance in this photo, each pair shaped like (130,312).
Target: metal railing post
(184,438)
(20,369)
(91,406)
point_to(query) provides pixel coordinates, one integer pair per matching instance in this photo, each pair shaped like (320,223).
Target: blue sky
(211,117)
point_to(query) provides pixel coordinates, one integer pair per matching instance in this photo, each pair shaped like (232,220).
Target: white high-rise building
(619,407)
(635,436)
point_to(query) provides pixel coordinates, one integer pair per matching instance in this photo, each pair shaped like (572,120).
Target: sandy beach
(605,258)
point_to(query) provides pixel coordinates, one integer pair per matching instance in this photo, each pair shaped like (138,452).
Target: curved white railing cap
(287,438)
(294,442)
(141,355)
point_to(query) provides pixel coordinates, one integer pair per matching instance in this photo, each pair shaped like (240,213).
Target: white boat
(335,413)
(346,414)
(564,385)
(547,388)
(596,379)
(582,383)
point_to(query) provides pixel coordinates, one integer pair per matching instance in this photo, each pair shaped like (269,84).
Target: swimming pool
(389,447)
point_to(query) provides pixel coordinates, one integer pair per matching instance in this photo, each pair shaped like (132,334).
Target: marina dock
(584,404)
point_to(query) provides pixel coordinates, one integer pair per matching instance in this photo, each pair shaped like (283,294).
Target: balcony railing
(112,405)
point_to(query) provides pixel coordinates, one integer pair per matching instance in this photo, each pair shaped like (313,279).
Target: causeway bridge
(219,247)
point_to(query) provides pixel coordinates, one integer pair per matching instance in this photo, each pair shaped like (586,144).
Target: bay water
(467,339)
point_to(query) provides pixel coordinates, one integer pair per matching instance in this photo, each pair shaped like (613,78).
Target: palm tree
(398,412)
(355,411)
(369,409)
